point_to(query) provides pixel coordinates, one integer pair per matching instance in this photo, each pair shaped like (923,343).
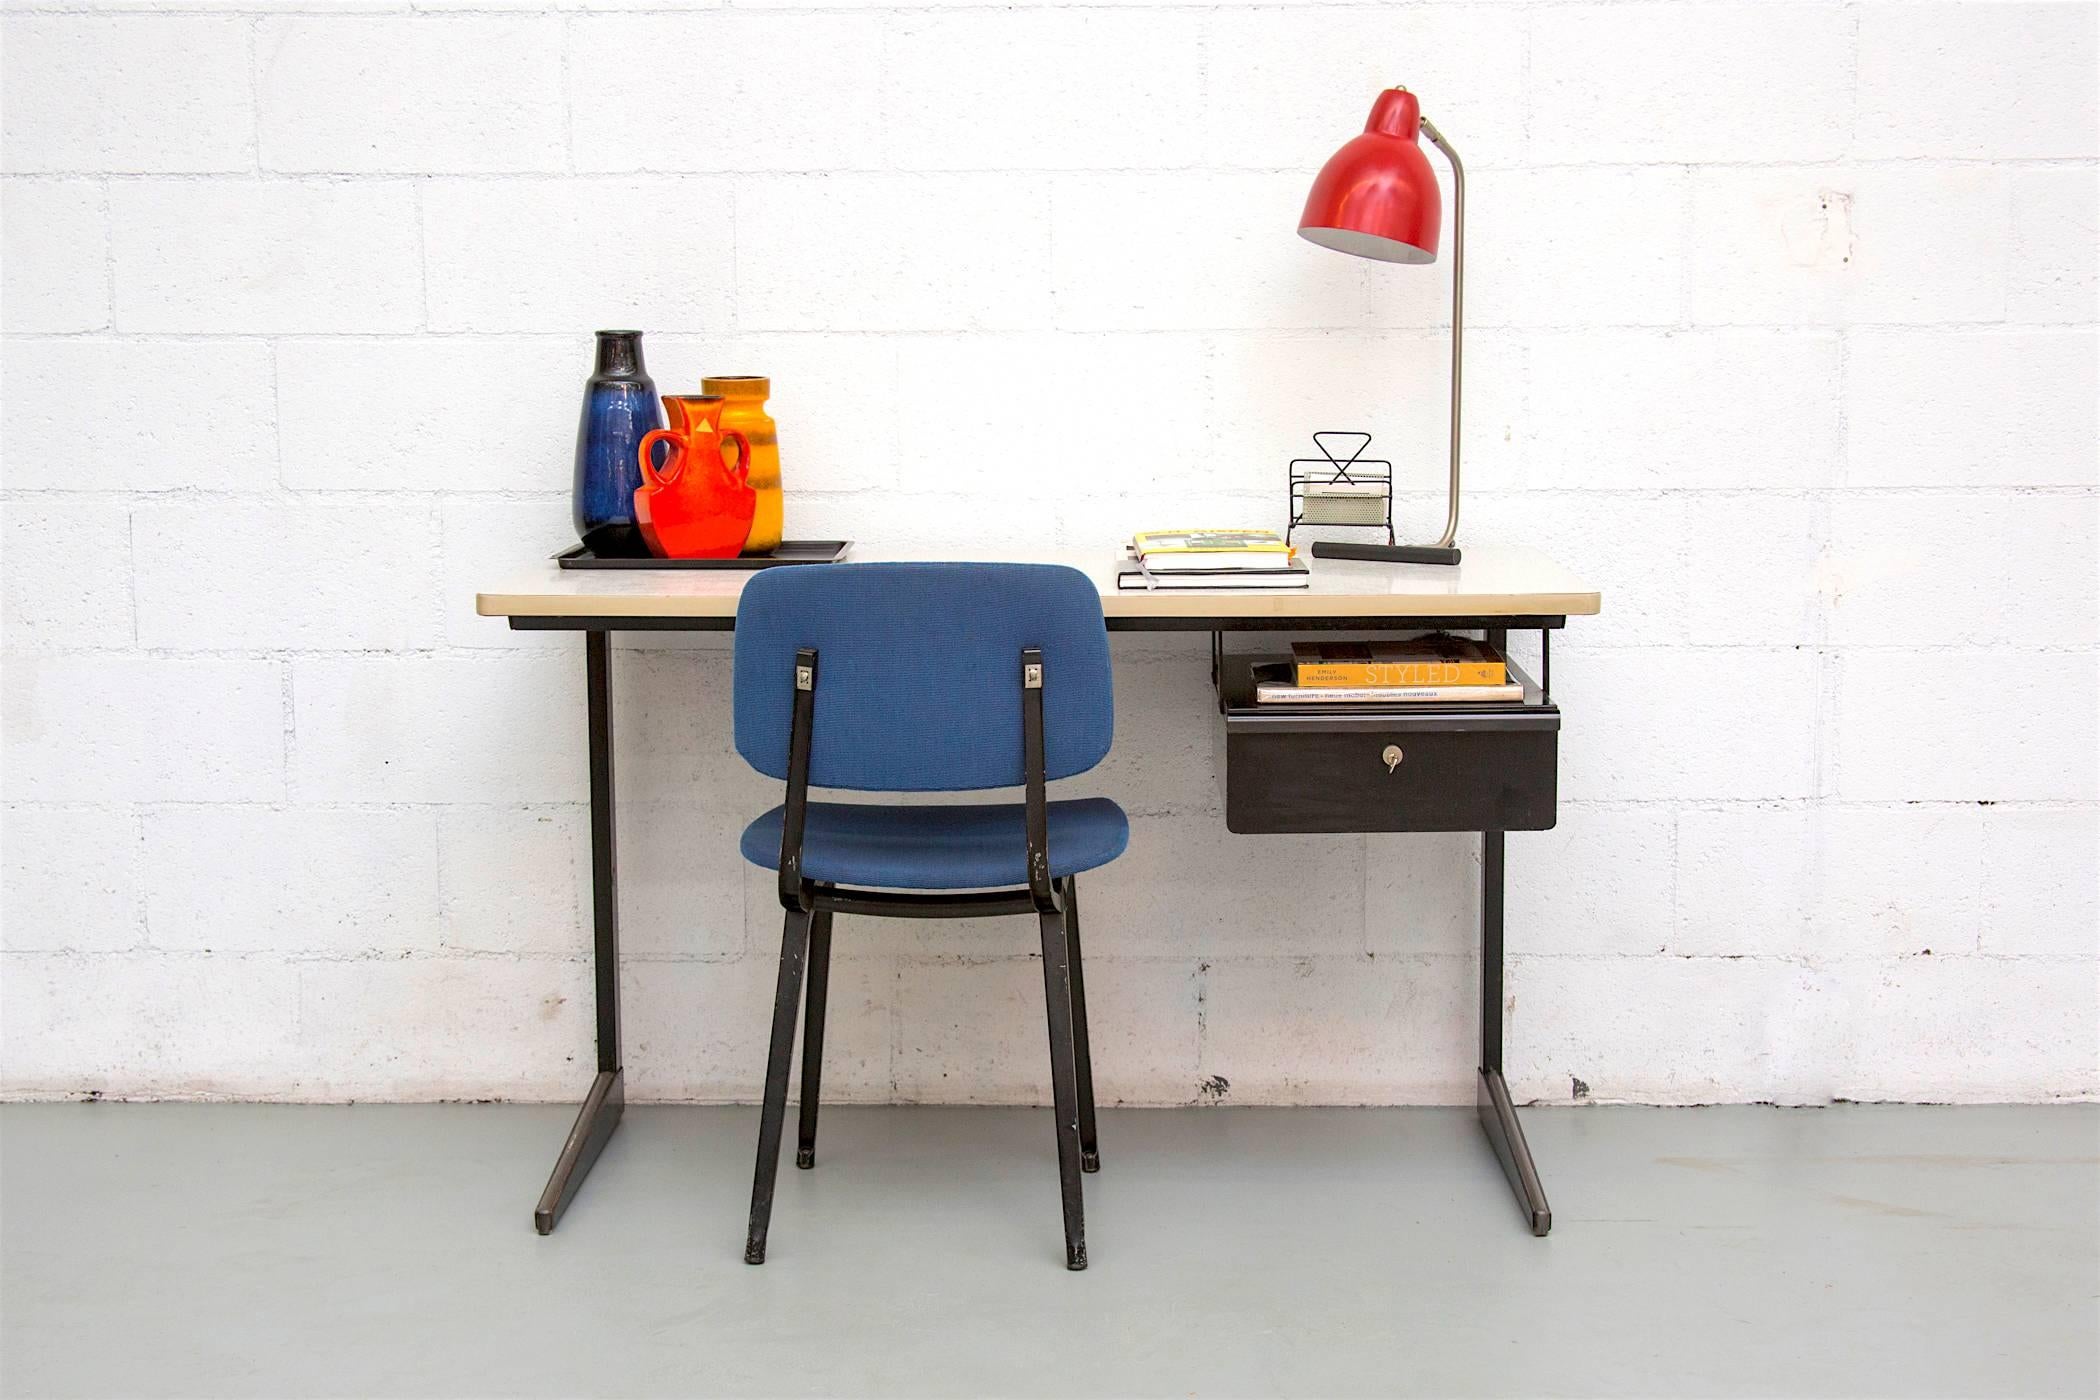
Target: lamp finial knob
(1397,112)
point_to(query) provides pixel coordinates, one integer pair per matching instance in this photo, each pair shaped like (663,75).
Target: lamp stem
(1458,306)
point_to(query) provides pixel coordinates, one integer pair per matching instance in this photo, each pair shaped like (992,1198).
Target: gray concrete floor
(232,1250)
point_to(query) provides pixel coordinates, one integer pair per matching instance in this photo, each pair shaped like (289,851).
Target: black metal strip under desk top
(551,623)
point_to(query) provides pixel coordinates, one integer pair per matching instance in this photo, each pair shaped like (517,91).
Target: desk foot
(593,1128)
(1499,1117)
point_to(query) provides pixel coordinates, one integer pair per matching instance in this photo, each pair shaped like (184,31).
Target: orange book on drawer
(1439,659)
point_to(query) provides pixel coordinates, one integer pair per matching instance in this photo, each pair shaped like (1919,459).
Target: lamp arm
(1458,305)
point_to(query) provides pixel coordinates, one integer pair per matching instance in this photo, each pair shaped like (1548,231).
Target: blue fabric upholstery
(918,672)
(972,847)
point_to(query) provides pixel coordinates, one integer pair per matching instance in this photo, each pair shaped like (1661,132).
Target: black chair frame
(806,940)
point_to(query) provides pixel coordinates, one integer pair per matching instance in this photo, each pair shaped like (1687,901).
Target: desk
(1493,592)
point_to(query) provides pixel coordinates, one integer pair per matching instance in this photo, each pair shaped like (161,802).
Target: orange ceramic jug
(744,409)
(698,506)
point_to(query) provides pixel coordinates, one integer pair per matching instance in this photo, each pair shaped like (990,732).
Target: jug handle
(674,461)
(740,474)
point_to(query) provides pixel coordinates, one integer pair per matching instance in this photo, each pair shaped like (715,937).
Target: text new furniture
(1480,768)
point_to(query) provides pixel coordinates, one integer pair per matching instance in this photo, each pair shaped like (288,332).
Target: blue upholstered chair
(926,678)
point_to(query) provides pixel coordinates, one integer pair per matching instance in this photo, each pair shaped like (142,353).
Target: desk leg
(608,1092)
(1497,1115)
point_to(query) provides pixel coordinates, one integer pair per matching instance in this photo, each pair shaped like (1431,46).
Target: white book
(1133,576)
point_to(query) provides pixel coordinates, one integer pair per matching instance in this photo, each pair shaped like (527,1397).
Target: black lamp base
(1386,553)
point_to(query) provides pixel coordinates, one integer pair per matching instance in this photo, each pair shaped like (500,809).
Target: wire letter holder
(1336,489)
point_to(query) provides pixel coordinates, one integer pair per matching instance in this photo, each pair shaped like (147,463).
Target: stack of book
(1210,559)
(1439,668)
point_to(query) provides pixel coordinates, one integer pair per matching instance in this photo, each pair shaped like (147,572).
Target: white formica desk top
(1491,582)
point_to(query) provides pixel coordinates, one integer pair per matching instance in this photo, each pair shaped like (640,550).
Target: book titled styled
(1272,686)
(1439,659)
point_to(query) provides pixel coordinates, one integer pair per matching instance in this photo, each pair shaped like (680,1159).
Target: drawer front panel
(1407,778)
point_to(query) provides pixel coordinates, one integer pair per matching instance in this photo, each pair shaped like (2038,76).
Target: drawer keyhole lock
(1392,757)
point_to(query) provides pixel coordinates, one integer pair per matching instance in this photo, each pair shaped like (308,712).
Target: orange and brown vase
(699,504)
(744,410)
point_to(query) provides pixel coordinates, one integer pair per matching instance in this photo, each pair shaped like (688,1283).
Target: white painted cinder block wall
(1782,332)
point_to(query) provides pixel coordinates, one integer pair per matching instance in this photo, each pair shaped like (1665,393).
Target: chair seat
(909,847)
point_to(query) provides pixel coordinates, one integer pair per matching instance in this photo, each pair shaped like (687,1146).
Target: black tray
(788,552)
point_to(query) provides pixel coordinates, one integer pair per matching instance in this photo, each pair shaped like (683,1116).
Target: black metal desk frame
(603,1104)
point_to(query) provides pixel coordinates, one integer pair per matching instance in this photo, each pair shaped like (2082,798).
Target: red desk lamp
(1378,198)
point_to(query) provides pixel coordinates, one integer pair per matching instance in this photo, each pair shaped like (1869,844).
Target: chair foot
(1057,996)
(1082,1055)
(794,949)
(819,980)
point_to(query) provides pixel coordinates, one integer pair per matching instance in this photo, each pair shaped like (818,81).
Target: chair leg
(1082,1057)
(813,1038)
(1057,997)
(794,947)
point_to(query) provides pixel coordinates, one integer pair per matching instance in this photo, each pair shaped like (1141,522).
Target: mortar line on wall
(1823,704)
(523,655)
(289,713)
(1202,1025)
(896,1024)
(736,263)
(1423,332)
(1687,232)
(1054,309)
(566,23)
(435,563)
(884,58)
(1673,855)
(409,9)
(416,196)
(1524,82)
(253,34)
(1017,174)
(109,259)
(441,956)
(500,654)
(1852,14)
(269,344)
(1363,896)
(141,901)
(552,806)
(131,576)
(371,495)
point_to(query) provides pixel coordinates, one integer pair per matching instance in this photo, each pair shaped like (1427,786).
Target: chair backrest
(919,672)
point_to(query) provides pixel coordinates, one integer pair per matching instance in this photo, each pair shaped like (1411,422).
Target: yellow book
(1187,551)
(1439,660)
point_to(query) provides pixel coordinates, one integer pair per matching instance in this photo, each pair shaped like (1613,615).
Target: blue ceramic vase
(619,406)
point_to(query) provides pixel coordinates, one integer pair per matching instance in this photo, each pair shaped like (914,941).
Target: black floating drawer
(1461,767)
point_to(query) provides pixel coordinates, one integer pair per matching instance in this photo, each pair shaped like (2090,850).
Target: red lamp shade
(1377,197)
